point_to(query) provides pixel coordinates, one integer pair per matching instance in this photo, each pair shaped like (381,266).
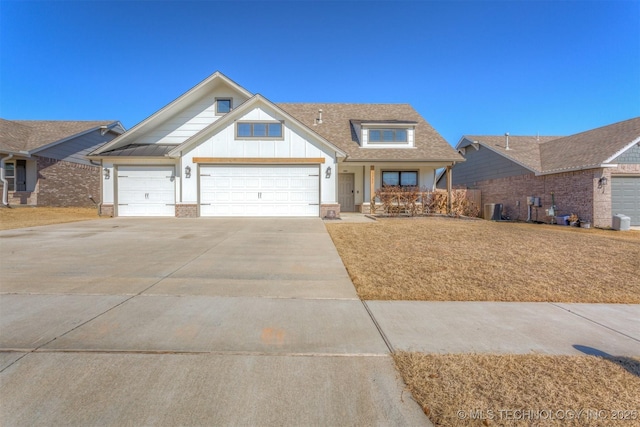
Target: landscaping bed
(449,259)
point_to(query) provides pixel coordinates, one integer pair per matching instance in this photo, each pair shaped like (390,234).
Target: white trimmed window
(400,178)
(387,136)
(223,105)
(10,175)
(264,130)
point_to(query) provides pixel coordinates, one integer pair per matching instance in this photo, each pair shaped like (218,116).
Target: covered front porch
(358,181)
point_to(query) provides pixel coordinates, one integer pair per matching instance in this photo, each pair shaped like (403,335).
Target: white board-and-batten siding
(189,121)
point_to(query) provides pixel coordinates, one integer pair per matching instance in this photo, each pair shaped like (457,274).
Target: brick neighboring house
(594,174)
(43,163)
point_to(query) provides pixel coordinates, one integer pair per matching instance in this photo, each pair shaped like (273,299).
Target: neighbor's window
(10,175)
(387,136)
(223,105)
(259,130)
(400,178)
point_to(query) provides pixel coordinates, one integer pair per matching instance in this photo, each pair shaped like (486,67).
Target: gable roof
(228,118)
(174,106)
(336,126)
(30,136)
(552,154)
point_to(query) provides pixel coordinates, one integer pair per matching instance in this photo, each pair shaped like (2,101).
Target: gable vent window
(223,105)
(387,136)
(272,130)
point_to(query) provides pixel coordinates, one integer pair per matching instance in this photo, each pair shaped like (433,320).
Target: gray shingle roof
(553,154)
(27,135)
(522,149)
(590,148)
(336,127)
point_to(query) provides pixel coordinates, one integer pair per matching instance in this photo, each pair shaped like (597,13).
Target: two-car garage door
(252,190)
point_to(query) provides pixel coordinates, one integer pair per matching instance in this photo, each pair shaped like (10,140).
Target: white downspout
(5,183)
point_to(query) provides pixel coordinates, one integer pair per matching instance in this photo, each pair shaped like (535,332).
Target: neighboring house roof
(589,149)
(29,136)
(552,154)
(524,150)
(337,127)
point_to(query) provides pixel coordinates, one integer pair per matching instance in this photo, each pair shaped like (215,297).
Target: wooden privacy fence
(414,201)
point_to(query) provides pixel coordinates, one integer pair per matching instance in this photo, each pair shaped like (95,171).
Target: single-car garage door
(246,190)
(146,191)
(625,197)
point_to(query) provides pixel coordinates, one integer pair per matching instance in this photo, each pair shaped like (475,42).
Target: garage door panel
(259,191)
(625,197)
(146,191)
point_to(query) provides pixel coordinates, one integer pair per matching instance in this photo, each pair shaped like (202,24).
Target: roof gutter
(5,183)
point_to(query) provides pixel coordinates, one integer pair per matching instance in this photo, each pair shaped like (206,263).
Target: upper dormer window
(223,105)
(387,136)
(389,133)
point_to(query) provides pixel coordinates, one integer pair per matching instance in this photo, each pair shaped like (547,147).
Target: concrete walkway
(515,328)
(189,322)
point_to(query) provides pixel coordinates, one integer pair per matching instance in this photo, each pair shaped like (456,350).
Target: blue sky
(468,67)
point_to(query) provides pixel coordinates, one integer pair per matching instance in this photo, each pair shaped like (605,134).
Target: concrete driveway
(189,322)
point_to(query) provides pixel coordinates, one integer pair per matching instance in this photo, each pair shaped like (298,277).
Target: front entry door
(346,183)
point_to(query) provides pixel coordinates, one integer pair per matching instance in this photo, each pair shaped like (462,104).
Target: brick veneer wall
(186,211)
(62,183)
(574,193)
(325,208)
(106,210)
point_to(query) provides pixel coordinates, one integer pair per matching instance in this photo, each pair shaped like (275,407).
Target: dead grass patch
(446,259)
(486,387)
(22,217)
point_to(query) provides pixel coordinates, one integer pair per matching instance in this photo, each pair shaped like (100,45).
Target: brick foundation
(325,208)
(186,211)
(106,210)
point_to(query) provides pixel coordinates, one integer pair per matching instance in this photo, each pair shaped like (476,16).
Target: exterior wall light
(327,174)
(187,172)
(602,181)
(107,173)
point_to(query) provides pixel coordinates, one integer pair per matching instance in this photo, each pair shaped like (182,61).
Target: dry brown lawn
(447,259)
(21,217)
(524,390)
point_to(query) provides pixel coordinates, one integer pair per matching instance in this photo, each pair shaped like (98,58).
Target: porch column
(372,189)
(449,181)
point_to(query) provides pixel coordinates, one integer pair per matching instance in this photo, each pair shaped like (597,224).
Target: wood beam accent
(259,160)
(449,181)
(372,189)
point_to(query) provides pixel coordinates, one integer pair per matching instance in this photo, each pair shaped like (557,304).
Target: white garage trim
(258,160)
(145,191)
(259,190)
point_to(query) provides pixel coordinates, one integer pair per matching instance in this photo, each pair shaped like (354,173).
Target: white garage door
(625,197)
(146,191)
(259,191)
